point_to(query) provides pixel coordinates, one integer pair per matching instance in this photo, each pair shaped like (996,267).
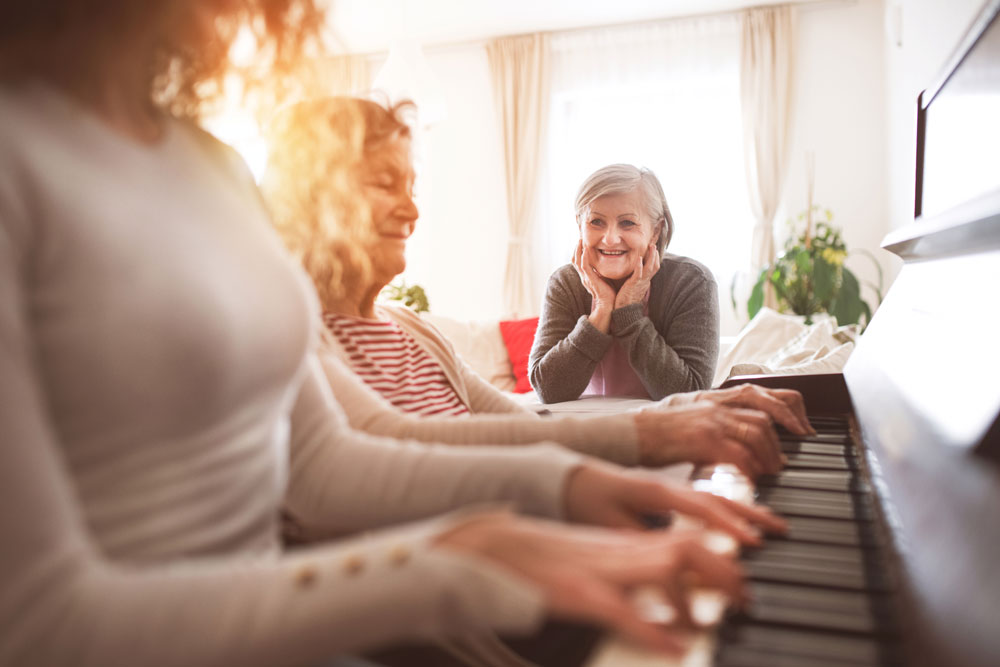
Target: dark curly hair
(185,78)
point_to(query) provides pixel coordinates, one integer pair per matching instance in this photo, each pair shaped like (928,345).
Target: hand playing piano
(784,406)
(706,433)
(605,495)
(587,574)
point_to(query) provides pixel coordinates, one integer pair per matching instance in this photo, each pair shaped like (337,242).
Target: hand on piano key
(590,574)
(704,433)
(604,495)
(784,406)
(708,607)
(819,595)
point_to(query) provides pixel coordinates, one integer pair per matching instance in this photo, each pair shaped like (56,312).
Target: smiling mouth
(612,253)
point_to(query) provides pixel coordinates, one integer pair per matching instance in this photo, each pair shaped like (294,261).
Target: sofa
(771,343)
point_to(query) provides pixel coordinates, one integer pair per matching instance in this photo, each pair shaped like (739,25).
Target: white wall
(840,116)
(458,251)
(930,31)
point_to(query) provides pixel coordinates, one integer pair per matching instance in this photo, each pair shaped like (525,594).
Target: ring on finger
(744,431)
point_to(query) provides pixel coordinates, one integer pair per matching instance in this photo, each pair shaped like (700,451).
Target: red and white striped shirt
(395,365)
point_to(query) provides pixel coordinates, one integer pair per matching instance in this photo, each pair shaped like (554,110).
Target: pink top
(614,375)
(395,365)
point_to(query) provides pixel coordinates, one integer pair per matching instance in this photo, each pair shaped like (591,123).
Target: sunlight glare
(237,127)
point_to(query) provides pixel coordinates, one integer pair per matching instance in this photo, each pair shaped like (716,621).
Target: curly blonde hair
(186,79)
(318,152)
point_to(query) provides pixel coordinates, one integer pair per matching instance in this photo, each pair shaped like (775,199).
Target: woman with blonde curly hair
(161,403)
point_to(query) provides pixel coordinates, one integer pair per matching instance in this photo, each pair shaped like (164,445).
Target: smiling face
(617,232)
(387,182)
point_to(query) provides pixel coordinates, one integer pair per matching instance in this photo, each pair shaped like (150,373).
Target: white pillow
(480,345)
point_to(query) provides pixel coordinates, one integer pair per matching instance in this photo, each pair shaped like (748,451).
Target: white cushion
(480,345)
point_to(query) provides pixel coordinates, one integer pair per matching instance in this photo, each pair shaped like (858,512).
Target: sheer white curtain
(343,75)
(666,96)
(766,57)
(519,67)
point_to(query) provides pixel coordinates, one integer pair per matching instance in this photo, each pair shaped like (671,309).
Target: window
(666,97)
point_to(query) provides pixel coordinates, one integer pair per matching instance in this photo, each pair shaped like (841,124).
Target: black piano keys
(822,595)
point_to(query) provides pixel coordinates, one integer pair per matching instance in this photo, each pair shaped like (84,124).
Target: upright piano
(893,557)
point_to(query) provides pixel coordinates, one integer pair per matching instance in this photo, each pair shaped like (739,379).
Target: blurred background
(657,83)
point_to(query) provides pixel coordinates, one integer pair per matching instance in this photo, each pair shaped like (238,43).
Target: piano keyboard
(822,595)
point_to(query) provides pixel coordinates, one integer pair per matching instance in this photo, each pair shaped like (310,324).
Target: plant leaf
(848,306)
(823,281)
(803,262)
(756,299)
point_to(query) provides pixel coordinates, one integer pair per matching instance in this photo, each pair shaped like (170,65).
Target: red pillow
(518,335)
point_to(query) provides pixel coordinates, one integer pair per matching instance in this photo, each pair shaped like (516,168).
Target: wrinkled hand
(636,287)
(587,574)
(784,406)
(599,289)
(704,433)
(601,292)
(605,495)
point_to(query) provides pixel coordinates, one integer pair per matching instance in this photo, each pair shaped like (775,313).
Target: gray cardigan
(673,349)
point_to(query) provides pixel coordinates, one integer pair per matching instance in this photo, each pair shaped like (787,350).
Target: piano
(893,557)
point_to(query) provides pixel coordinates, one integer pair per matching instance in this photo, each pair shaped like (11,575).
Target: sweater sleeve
(485,398)
(64,602)
(343,480)
(567,346)
(610,437)
(676,352)
(481,395)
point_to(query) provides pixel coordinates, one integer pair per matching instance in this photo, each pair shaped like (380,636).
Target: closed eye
(386,183)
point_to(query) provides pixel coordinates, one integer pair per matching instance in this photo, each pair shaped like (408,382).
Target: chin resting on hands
(636,287)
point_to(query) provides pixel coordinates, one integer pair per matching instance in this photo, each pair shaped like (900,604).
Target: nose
(611,235)
(407,211)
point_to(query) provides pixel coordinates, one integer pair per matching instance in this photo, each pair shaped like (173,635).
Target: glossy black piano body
(921,398)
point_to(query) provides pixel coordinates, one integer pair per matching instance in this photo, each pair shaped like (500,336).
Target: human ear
(661,223)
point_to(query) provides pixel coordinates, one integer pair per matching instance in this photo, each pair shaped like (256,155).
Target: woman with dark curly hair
(161,404)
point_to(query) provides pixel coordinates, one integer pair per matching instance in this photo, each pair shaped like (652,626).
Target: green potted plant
(809,276)
(411,296)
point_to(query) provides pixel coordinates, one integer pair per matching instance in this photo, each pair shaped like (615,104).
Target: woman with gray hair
(625,318)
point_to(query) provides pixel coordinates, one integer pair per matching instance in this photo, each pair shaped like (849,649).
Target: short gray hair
(616,179)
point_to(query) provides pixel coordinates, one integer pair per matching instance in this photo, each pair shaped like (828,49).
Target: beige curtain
(341,75)
(766,57)
(519,67)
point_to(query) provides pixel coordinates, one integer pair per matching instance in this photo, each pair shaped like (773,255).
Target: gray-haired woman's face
(616,233)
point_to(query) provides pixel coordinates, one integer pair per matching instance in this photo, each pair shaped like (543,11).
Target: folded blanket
(776,343)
